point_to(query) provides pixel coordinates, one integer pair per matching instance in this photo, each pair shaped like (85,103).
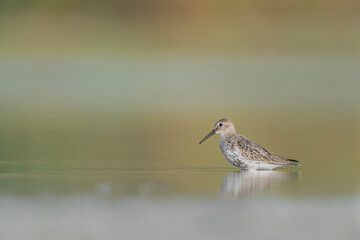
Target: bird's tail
(293,162)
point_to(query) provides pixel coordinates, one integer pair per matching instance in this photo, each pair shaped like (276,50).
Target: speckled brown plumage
(256,152)
(243,152)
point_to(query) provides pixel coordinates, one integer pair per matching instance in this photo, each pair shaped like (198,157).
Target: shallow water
(113,184)
(74,166)
(178,203)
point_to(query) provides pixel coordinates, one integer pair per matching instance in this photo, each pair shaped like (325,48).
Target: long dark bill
(207,136)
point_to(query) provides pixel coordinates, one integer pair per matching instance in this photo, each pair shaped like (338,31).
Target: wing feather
(256,152)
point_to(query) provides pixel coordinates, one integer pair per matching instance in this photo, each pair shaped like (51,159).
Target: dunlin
(241,152)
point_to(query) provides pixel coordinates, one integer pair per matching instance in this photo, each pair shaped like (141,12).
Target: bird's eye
(220,124)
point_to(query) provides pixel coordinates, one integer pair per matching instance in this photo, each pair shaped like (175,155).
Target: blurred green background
(94,91)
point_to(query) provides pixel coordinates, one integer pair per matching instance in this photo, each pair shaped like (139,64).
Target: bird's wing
(256,152)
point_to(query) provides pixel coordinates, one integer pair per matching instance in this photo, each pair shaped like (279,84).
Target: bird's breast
(230,152)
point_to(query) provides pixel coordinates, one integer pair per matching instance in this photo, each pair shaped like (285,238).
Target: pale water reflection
(243,184)
(177,204)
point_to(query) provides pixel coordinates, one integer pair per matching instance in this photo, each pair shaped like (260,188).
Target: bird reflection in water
(244,184)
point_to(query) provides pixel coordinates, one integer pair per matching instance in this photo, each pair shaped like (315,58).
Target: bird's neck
(228,134)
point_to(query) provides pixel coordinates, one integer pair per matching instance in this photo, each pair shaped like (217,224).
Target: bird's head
(223,126)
